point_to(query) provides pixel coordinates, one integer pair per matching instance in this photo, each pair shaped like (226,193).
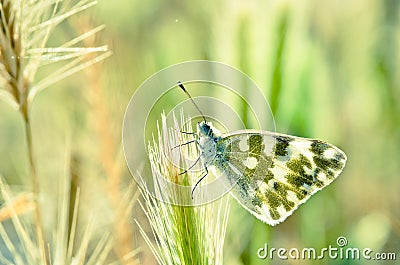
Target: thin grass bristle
(182,234)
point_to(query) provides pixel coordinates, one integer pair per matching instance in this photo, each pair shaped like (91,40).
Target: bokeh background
(329,69)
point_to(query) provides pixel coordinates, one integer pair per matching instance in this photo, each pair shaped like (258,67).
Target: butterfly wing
(272,174)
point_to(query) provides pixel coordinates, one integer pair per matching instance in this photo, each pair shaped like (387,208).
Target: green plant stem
(35,184)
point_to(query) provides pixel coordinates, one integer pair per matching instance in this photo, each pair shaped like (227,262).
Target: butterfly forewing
(272,173)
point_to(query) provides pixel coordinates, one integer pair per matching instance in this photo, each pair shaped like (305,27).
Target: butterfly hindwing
(272,174)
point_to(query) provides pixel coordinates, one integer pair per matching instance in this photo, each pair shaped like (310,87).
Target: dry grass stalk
(25,27)
(110,156)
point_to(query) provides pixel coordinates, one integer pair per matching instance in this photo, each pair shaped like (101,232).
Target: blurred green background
(330,70)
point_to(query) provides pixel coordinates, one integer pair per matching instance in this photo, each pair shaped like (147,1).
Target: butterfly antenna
(194,103)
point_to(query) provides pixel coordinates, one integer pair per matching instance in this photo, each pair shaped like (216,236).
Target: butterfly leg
(192,141)
(191,133)
(179,145)
(189,168)
(197,183)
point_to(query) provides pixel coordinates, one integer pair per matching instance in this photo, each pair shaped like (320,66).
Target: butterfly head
(204,129)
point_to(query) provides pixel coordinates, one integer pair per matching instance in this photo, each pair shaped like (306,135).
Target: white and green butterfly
(271,174)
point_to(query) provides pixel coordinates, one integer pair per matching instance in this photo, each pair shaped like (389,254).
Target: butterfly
(271,174)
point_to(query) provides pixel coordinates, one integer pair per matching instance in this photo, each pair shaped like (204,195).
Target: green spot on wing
(298,178)
(297,165)
(325,163)
(339,156)
(281,145)
(256,144)
(256,201)
(300,193)
(318,147)
(318,183)
(281,190)
(274,214)
(273,204)
(268,176)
